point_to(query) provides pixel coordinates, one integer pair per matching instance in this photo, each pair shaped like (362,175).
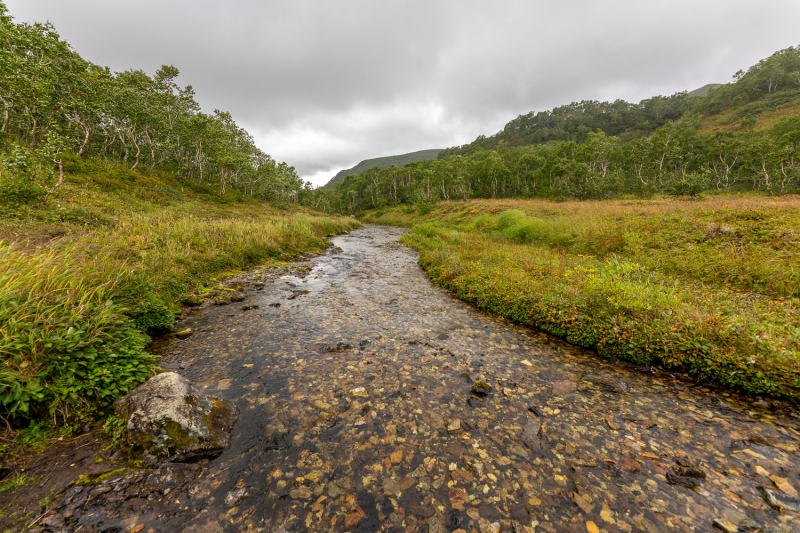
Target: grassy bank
(708,286)
(85,277)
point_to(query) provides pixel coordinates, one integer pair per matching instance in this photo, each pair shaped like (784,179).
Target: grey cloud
(325,84)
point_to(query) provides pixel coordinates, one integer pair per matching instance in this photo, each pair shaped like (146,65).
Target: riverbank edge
(455,265)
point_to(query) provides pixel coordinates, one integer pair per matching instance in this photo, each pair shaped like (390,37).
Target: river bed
(353,379)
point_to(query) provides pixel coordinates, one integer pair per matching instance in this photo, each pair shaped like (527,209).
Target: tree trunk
(60,179)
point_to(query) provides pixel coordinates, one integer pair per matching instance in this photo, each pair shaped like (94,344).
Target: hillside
(384,162)
(756,98)
(741,136)
(705,89)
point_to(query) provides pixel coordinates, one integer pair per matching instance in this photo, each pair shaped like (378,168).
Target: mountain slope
(384,162)
(705,89)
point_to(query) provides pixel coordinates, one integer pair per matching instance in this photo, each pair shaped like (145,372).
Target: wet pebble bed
(355,379)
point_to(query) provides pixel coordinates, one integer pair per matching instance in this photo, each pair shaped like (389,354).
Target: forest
(59,109)
(742,136)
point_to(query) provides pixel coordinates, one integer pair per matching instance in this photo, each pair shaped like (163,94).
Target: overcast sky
(325,84)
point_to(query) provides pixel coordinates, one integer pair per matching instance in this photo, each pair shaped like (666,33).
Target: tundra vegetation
(709,287)
(118,197)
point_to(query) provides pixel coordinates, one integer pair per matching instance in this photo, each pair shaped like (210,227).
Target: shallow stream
(356,414)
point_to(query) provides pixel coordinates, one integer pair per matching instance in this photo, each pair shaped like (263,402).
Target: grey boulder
(169,418)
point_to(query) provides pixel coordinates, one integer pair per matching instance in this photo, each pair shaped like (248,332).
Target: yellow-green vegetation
(708,286)
(17,480)
(84,278)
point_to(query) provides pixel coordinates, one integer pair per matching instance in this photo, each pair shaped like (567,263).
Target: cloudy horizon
(324,85)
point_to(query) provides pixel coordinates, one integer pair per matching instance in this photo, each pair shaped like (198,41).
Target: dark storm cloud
(325,84)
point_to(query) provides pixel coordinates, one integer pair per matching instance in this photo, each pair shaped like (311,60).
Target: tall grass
(85,278)
(63,341)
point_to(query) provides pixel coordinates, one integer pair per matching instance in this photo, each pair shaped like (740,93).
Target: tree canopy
(55,104)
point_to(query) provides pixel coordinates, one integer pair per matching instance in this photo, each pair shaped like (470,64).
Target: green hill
(705,89)
(384,162)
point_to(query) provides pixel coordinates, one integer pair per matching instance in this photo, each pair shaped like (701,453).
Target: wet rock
(783,485)
(454,425)
(778,501)
(531,434)
(221,300)
(480,389)
(340,347)
(561,388)
(359,392)
(275,305)
(630,465)
(724,525)
(54,521)
(258,285)
(296,293)
(689,477)
(184,333)
(474,402)
(520,514)
(99,491)
(248,307)
(769,498)
(168,477)
(235,496)
(237,297)
(741,521)
(434,526)
(192,301)
(167,417)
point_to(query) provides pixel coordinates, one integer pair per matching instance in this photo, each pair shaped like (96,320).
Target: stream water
(356,414)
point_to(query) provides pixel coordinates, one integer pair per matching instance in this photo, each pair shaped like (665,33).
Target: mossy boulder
(481,389)
(192,301)
(170,419)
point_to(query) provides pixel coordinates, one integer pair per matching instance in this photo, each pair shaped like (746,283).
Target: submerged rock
(296,293)
(481,389)
(531,434)
(185,333)
(689,477)
(169,418)
(340,347)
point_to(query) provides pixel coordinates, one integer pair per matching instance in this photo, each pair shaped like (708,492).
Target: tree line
(675,158)
(57,106)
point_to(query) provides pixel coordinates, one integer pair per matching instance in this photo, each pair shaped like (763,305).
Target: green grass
(709,287)
(106,261)
(15,481)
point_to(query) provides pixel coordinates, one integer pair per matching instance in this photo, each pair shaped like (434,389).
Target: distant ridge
(705,89)
(384,162)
